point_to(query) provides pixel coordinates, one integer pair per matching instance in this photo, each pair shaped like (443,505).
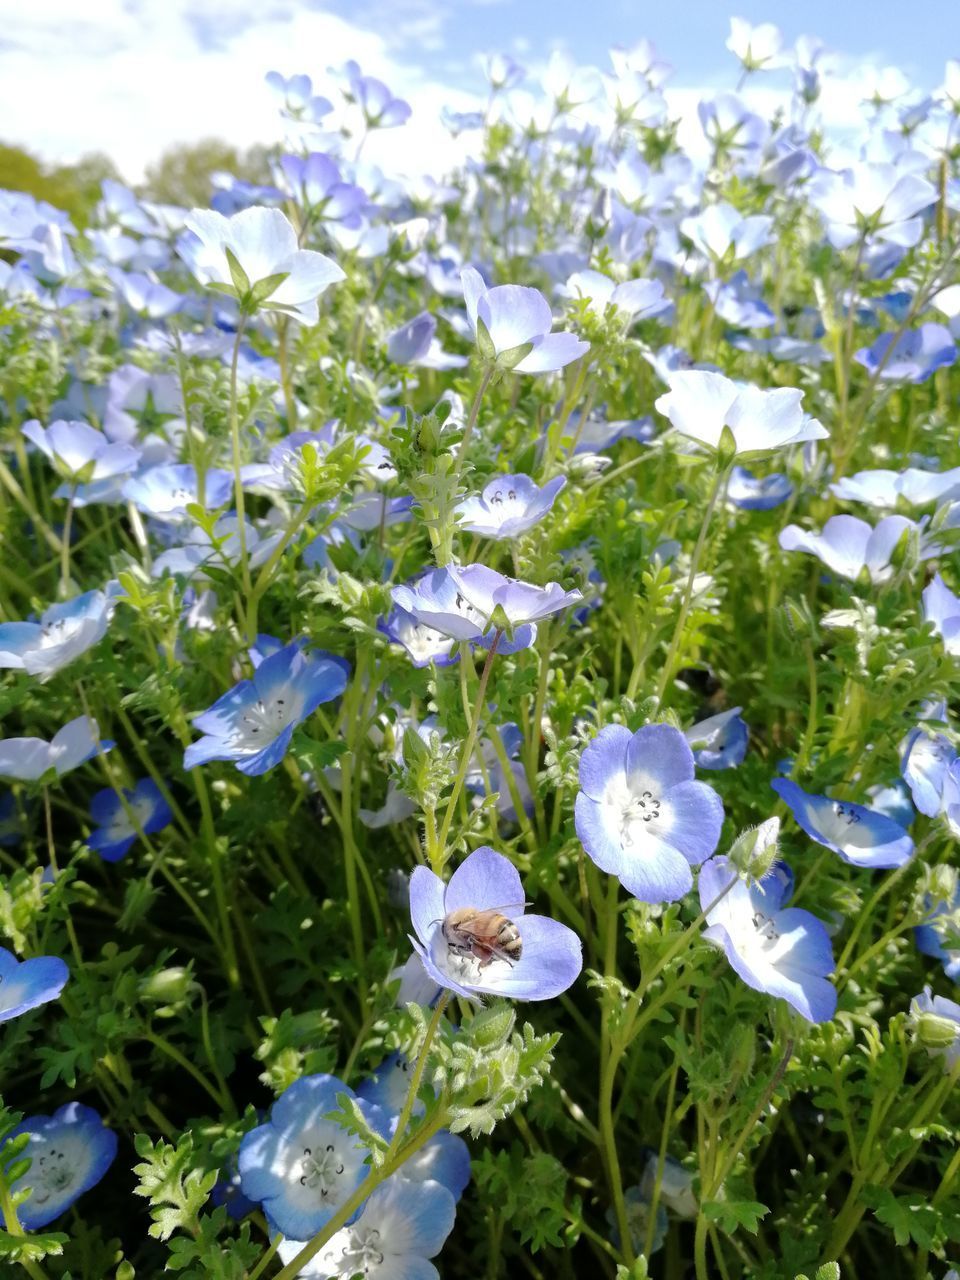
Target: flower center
(765,927)
(52,1174)
(262,722)
(321,1169)
(363,1252)
(846,814)
(56,633)
(644,807)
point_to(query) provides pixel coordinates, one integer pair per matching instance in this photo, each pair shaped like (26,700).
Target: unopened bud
(755,850)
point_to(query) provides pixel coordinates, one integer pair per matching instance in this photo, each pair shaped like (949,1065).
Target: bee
(485,935)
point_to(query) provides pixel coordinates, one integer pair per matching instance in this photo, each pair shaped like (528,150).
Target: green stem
(65,545)
(468,745)
(12,1224)
(238,494)
(676,639)
(411,1099)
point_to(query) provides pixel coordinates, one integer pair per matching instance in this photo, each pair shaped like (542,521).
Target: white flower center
(321,1167)
(363,1252)
(51,1174)
(263,721)
(54,634)
(636,809)
(423,642)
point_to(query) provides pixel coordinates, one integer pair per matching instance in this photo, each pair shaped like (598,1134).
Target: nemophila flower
(632,299)
(640,815)
(69,1153)
(255,257)
(119,826)
(491,946)
(941,608)
(757,493)
(512,324)
(145,295)
(30,759)
(470,602)
(720,231)
(937,1023)
(883,488)
(423,643)
(79,452)
(756,46)
(253,723)
(925,761)
(700,404)
(27,984)
(446,1157)
(780,950)
(381,110)
(316,182)
(861,836)
(64,632)
(939,935)
(508,506)
(402,1225)
(219,549)
(720,741)
(913,356)
(416,343)
(849,546)
(301,1166)
(739,302)
(165,492)
(881,201)
(676,1184)
(638,1202)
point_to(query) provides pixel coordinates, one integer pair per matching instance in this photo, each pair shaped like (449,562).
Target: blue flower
(424,644)
(79,452)
(719,742)
(301,1166)
(29,759)
(461,602)
(941,928)
(27,984)
(64,632)
(401,1226)
(513,323)
(640,815)
(548,961)
(848,545)
(508,506)
(861,836)
(637,1201)
(253,723)
(69,1153)
(165,492)
(116,829)
(941,608)
(780,950)
(925,761)
(381,110)
(913,356)
(256,258)
(750,493)
(700,404)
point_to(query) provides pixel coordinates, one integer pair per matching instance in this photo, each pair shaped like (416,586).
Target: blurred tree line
(182,175)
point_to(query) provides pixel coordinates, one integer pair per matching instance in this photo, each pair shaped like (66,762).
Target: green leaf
(268,285)
(485,342)
(731,1214)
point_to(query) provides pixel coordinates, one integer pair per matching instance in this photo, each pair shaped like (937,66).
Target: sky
(130,77)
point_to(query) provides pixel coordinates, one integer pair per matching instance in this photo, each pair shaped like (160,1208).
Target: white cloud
(130,77)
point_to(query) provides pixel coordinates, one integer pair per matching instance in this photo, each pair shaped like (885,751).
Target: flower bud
(754,851)
(168,986)
(934,1031)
